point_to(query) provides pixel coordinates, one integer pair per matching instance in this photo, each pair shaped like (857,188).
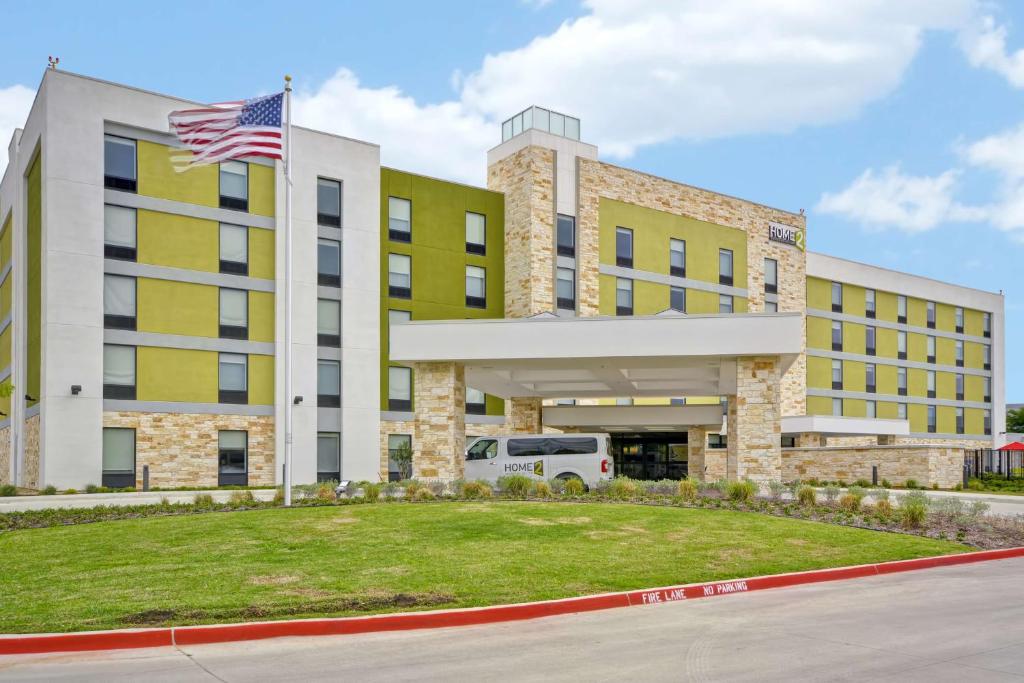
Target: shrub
(947,507)
(371,492)
(776,489)
(880,494)
(910,484)
(662,487)
(70,492)
(50,490)
(741,491)
(423,494)
(573,487)
(390,489)
(831,493)
(515,485)
(978,508)
(687,490)
(806,495)
(324,490)
(474,490)
(883,507)
(863,483)
(436,487)
(542,489)
(411,486)
(278,497)
(623,488)
(92,488)
(913,509)
(858,491)
(204,500)
(241,497)
(557,486)
(8,490)
(849,502)
(886,484)
(813,482)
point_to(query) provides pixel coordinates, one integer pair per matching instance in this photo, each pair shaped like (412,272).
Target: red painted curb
(222,633)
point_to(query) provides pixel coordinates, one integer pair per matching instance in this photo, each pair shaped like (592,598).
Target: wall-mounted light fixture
(76,389)
(298,400)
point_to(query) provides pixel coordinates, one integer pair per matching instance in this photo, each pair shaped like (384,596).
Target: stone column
(755,421)
(440,436)
(524,415)
(696,442)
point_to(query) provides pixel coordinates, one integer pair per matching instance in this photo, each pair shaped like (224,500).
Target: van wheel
(567,477)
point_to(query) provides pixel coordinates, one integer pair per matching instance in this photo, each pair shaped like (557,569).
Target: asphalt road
(961,623)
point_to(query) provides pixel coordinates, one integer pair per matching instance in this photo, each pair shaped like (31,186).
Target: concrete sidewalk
(88,500)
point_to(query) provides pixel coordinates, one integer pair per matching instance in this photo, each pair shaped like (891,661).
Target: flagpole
(288,393)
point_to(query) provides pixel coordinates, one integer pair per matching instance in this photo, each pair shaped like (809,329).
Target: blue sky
(900,129)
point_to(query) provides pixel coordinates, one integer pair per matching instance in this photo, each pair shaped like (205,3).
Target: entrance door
(651,456)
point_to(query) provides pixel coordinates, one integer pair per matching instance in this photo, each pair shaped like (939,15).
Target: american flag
(229,130)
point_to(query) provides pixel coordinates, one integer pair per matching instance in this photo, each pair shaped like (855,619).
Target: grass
(336,561)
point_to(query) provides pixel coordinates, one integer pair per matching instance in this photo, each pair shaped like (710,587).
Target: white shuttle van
(541,456)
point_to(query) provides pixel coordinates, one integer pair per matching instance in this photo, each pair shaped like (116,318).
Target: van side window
(552,446)
(482,450)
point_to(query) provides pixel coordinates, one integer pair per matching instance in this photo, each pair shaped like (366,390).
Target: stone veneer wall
(528,180)
(598,179)
(30,469)
(181,449)
(5,456)
(409,427)
(754,421)
(439,439)
(927,465)
(524,415)
(696,443)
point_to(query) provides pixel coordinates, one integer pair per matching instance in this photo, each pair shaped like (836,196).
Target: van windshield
(567,445)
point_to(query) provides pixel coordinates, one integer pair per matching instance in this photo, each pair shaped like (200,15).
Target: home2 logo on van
(536,468)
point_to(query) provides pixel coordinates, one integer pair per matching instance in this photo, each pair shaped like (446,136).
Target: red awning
(1015,446)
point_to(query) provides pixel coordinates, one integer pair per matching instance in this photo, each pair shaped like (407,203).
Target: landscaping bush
(542,489)
(70,492)
(978,508)
(662,487)
(241,497)
(557,486)
(831,493)
(910,484)
(422,494)
(858,491)
(913,509)
(390,489)
(883,507)
(8,490)
(92,488)
(50,490)
(278,497)
(371,491)
(886,484)
(515,485)
(863,483)
(410,487)
(203,500)
(849,502)
(572,487)
(623,488)
(324,491)
(475,490)
(880,495)
(776,489)
(741,491)
(807,496)
(687,490)
(436,487)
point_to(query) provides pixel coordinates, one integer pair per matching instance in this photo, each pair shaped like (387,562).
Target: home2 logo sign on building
(777,232)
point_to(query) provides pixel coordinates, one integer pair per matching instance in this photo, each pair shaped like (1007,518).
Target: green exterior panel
(34,277)
(170,307)
(176,375)
(175,241)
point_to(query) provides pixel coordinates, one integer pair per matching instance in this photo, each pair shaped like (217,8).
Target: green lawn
(333,561)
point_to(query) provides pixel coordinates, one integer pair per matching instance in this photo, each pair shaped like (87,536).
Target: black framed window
(988,423)
(397,469)
(837,297)
(232,458)
(931,349)
(328,383)
(725,274)
(958,320)
(119,163)
(871,409)
(986,324)
(234,313)
(788,441)
(623,296)
(399,388)
(677,257)
(987,389)
(931,384)
(901,411)
(837,374)
(119,302)
(901,308)
(233,378)
(771,276)
(869,303)
(901,345)
(725,303)
(476,287)
(959,387)
(718,441)
(400,276)
(986,357)
(624,247)
(328,202)
(930,314)
(119,371)
(870,372)
(931,420)
(234,185)
(565,235)
(118,457)
(677,299)
(901,381)
(837,407)
(328,456)
(328,322)
(837,335)
(870,334)
(328,262)
(771,306)
(476,402)
(399,219)
(234,249)
(565,288)
(476,233)
(959,420)
(119,232)
(959,352)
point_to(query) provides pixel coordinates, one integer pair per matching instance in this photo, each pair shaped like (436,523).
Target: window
(931,384)
(901,345)
(395,317)
(959,387)
(328,263)
(677,401)
(725,266)
(396,444)
(837,374)
(623,296)
(677,257)
(869,303)
(837,407)
(623,401)
(119,163)
(870,377)
(399,276)
(930,312)
(399,219)
(788,441)
(958,318)
(771,307)
(771,276)
(565,402)
(476,287)
(234,185)
(119,371)
(901,308)
(232,458)
(986,352)
(328,456)
(476,233)
(328,322)
(118,457)
(553,445)
(986,324)
(677,299)
(987,389)
(901,381)
(476,402)
(725,303)
(624,247)
(988,422)
(565,288)
(328,202)
(869,340)
(931,349)
(234,378)
(959,346)
(399,388)
(931,419)
(119,240)
(872,408)
(234,249)
(837,335)
(959,420)
(566,235)
(234,313)
(837,297)
(901,411)
(328,383)
(718,441)
(119,302)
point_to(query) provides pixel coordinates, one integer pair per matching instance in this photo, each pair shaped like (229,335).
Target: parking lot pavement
(960,623)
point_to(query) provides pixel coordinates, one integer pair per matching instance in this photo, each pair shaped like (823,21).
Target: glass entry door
(651,456)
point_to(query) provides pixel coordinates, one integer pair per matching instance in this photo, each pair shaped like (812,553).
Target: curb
(223,633)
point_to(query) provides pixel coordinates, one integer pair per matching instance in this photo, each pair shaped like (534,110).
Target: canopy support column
(440,442)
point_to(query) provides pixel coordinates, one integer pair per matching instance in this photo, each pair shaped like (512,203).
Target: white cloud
(893,199)
(15,101)
(984,43)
